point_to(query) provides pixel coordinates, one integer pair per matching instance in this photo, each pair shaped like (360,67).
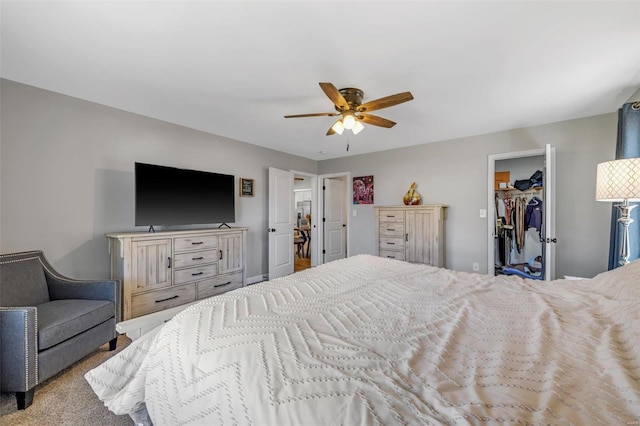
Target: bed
(369,340)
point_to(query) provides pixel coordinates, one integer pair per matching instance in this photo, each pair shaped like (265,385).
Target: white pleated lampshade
(618,180)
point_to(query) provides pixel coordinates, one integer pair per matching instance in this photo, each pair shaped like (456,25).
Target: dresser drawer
(392,229)
(198,273)
(196,258)
(391,216)
(398,255)
(158,300)
(200,242)
(390,243)
(219,285)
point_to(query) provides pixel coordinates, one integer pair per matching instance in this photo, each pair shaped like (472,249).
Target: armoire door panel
(419,236)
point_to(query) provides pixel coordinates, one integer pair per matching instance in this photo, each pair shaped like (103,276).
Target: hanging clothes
(533,215)
(500,207)
(499,231)
(519,222)
(508,208)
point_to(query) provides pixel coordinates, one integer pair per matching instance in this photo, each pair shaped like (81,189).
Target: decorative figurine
(412,198)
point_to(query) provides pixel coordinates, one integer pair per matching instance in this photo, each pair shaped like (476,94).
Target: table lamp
(619,181)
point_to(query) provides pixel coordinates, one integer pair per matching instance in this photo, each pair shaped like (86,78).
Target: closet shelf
(528,191)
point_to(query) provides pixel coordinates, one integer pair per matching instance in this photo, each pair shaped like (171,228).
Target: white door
(335,220)
(550,212)
(281,205)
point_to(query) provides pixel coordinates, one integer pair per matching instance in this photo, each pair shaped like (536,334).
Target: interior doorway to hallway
(302,218)
(328,221)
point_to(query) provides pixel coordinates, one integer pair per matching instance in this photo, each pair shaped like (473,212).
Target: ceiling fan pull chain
(347,144)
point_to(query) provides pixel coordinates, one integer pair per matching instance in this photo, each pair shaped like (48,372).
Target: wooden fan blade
(319,114)
(335,95)
(376,121)
(385,102)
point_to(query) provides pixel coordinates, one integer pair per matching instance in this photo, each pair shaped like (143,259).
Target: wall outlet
(355,212)
(476,266)
(483,212)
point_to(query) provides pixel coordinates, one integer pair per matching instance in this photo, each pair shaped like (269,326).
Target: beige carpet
(67,398)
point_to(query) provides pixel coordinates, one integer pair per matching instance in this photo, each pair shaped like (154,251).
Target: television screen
(172,196)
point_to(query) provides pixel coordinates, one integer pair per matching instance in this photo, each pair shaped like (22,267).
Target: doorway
(333,202)
(514,248)
(282,220)
(303,204)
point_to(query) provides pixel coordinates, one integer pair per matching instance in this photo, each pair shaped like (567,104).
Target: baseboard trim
(256,279)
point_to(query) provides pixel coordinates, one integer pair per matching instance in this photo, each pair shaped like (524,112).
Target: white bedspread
(368,340)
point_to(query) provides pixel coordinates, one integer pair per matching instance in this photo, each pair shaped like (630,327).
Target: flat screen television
(173,196)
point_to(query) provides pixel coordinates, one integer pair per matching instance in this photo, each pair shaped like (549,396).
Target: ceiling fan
(348,104)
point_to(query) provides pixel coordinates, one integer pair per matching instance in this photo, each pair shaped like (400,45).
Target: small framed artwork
(363,190)
(246,187)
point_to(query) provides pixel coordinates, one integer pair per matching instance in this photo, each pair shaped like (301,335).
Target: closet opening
(519,207)
(521,214)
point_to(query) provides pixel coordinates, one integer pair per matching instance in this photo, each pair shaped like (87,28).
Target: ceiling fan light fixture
(353,113)
(338,127)
(357,128)
(349,121)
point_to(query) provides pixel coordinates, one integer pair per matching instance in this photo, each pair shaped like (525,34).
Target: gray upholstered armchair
(48,322)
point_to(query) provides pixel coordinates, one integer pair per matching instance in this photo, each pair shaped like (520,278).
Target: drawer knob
(197,243)
(197,273)
(391,244)
(390,229)
(168,298)
(222,285)
(197,258)
(391,257)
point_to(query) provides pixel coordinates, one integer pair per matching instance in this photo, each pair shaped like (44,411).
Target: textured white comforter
(368,340)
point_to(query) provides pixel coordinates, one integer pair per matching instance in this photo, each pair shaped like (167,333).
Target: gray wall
(455,173)
(66,176)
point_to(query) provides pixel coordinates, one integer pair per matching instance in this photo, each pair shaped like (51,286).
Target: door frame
(491,209)
(319,245)
(314,201)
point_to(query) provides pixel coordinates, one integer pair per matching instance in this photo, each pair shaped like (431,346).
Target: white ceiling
(235,68)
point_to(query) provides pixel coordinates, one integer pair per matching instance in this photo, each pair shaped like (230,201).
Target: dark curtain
(627,146)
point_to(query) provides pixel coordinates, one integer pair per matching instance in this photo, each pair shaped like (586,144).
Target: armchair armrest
(18,356)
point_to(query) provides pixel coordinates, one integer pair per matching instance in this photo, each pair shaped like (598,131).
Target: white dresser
(165,269)
(411,233)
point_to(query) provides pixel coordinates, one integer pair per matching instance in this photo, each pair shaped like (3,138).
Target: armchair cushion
(23,282)
(59,320)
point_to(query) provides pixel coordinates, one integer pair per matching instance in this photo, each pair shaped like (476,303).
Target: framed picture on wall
(363,190)
(246,187)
